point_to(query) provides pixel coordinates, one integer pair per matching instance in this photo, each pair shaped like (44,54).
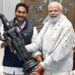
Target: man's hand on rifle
(39,58)
(38,69)
(6,42)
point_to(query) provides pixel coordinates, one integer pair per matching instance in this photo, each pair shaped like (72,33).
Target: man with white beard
(56,40)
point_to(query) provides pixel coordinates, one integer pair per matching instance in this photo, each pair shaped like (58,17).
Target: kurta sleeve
(37,44)
(34,36)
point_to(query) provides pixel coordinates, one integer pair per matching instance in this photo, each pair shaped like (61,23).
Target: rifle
(19,45)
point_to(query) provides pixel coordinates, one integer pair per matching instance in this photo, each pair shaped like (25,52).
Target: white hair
(56,3)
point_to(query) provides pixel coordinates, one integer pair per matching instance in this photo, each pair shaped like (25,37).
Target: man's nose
(21,14)
(53,12)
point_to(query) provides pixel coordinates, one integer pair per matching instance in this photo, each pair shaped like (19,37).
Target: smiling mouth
(20,17)
(53,16)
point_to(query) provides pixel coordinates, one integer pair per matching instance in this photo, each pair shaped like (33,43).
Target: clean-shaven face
(21,14)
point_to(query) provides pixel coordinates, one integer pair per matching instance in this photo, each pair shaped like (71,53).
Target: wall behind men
(1,6)
(9,7)
(69,10)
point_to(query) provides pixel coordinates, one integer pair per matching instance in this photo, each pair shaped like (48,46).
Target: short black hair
(23,5)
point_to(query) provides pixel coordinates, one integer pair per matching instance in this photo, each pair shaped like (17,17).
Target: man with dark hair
(11,62)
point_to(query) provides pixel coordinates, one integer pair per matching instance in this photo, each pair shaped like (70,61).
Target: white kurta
(56,42)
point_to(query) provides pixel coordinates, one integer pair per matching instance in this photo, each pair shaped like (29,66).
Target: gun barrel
(5,22)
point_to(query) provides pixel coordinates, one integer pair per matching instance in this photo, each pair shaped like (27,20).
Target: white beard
(54,19)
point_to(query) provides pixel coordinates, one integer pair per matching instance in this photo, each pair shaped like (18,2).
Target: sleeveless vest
(11,59)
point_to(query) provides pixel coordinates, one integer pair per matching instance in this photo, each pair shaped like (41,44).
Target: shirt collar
(22,26)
